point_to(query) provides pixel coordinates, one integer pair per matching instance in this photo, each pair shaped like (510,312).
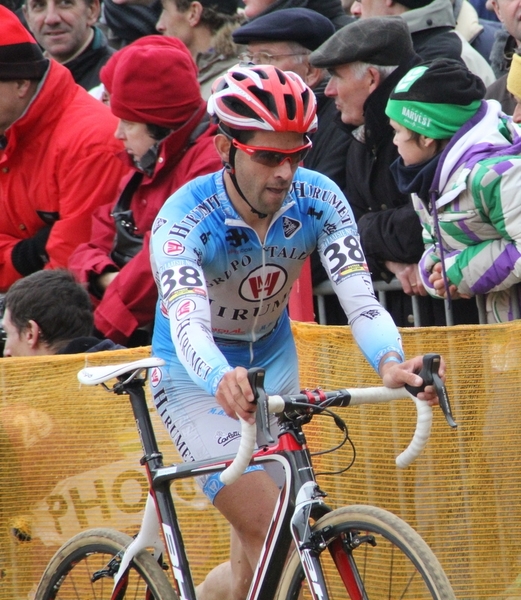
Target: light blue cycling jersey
(222,290)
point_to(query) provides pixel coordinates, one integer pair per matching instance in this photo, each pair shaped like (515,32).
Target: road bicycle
(311,551)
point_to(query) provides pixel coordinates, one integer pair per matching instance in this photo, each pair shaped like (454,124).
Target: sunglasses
(274,157)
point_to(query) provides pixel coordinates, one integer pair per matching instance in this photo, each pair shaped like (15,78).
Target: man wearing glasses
(226,249)
(285,38)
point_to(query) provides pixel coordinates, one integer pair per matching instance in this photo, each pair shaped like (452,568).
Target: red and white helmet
(263,97)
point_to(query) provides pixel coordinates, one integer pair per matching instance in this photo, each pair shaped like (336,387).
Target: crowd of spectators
(103,117)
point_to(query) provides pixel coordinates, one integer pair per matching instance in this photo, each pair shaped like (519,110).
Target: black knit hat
(20,55)
(436,98)
(443,81)
(307,27)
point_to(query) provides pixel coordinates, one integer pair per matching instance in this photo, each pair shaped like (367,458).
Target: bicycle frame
(299,501)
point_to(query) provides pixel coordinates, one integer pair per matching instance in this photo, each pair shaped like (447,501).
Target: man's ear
(194,13)
(375,78)
(222,145)
(494,5)
(32,334)
(94,10)
(24,87)
(313,76)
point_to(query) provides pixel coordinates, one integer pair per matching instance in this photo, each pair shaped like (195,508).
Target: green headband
(436,121)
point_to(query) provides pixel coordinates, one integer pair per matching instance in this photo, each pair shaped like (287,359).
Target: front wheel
(371,554)
(83,568)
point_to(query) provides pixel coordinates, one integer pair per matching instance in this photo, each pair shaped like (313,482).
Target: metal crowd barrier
(381,288)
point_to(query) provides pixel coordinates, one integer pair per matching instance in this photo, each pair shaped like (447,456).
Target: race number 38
(343,253)
(183,276)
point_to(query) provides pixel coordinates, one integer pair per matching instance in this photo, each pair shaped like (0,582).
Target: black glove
(29,256)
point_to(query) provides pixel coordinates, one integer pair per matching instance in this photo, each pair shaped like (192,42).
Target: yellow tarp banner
(69,458)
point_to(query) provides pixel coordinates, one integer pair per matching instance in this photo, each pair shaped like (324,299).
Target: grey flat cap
(384,41)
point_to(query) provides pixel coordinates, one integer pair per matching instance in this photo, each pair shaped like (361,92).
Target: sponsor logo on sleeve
(184,309)
(173,248)
(156,376)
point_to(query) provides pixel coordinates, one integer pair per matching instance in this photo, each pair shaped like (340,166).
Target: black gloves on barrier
(29,255)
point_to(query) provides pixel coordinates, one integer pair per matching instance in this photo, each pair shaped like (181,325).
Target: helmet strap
(229,167)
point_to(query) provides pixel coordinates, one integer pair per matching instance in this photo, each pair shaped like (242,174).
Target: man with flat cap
(366,59)
(285,38)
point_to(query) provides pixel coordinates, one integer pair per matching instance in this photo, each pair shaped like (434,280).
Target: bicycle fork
(311,544)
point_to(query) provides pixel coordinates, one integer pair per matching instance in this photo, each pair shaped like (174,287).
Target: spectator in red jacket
(57,157)
(169,141)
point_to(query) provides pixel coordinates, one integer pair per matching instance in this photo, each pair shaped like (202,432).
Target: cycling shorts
(198,426)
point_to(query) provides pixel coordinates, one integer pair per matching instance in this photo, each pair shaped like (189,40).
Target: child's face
(412,150)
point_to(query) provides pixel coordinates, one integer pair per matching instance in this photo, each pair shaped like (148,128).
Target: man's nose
(52,14)
(330,89)
(356,9)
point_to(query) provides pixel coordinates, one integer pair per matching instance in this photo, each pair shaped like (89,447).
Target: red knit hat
(20,55)
(153,80)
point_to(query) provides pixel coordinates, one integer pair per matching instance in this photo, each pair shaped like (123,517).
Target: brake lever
(430,376)
(256,380)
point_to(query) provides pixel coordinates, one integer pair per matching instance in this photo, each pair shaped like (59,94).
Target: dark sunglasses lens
(303,154)
(268,158)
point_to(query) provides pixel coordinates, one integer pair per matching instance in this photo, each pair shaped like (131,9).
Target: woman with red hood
(168,140)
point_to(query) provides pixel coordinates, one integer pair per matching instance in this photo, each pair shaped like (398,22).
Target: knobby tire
(400,566)
(68,575)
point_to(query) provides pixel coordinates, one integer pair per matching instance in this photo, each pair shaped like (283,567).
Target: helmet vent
(239,107)
(291,107)
(266,99)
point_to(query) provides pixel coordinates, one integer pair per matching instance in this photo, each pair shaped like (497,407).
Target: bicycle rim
(78,571)
(400,566)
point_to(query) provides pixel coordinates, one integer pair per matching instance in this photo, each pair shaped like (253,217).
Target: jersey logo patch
(313,213)
(184,309)
(173,248)
(236,237)
(290,227)
(263,283)
(155,377)
(159,222)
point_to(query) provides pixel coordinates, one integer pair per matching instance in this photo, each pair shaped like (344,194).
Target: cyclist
(226,249)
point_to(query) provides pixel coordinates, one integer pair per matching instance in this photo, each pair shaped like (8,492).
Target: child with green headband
(459,161)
